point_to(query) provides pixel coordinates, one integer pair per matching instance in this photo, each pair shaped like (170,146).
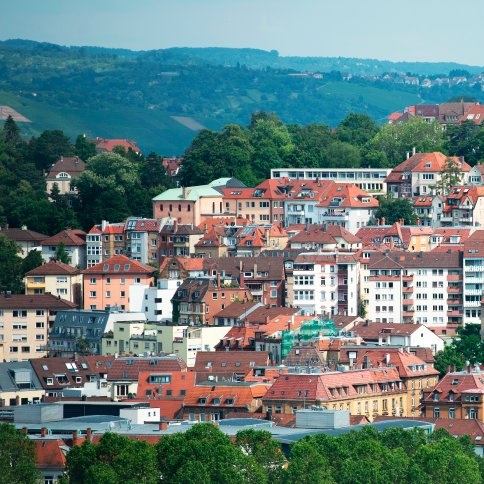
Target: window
(92,293)
(19,313)
(92,280)
(108,294)
(451,412)
(39,325)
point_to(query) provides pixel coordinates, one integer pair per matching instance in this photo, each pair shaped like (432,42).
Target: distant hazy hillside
(160,98)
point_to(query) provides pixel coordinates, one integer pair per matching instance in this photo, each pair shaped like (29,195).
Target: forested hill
(161,98)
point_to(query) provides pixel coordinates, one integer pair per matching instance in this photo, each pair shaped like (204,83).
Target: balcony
(407,302)
(474,292)
(408,314)
(476,268)
(455,277)
(454,290)
(453,313)
(446,218)
(35,285)
(472,304)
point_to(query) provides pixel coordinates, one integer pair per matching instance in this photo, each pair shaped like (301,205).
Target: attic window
(202,401)
(126,267)
(216,401)
(428,165)
(116,267)
(45,367)
(229,401)
(105,267)
(455,381)
(84,366)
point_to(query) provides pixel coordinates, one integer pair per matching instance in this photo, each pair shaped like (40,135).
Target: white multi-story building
(155,302)
(424,287)
(473,276)
(371,180)
(323,284)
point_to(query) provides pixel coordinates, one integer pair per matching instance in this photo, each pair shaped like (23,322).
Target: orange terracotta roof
(48,454)
(242,394)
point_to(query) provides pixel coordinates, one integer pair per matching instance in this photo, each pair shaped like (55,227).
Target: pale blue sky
(410,30)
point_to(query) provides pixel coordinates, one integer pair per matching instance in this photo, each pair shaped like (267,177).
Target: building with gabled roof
(263,204)
(27,239)
(347,205)
(420,173)
(56,278)
(464,206)
(368,392)
(62,173)
(107,145)
(107,284)
(211,244)
(416,374)
(325,237)
(458,395)
(228,365)
(211,401)
(74,241)
(78,371)
(401,334)
(124,372)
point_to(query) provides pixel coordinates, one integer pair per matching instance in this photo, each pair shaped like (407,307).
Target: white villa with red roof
(74,241)
(419,174)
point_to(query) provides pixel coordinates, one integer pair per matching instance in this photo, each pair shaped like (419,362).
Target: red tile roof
(373,331)
(35,301)
(351,197)
(243,395)
(72,165)
(180,383)
(109,144)
(224,364)
(319,386)
(68,237)
(53,267)
(22,235)
(120,264)
(72,368)
(48,454)
(457,383)
(128,369)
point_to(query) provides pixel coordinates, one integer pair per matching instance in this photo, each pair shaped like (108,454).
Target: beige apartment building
(24,324)
(55,278)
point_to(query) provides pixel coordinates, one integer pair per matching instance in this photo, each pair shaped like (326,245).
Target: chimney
(89,434)
(383,220)
(184,192)
(255,271)
(408,155)
(74,438)
(218,279)
(25,430)
(163,425)
(414,150)
(43,432)
(377,221)
(367,322)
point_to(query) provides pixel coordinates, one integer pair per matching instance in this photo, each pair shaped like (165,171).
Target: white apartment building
(155,302)
(424,287)
(323,284)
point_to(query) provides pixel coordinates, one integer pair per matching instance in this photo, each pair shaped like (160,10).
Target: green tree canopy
(395,209)
(109,189)
(10,266)
(17,457)
(396,140)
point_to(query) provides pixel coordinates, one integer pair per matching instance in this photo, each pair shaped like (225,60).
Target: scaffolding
(311,330)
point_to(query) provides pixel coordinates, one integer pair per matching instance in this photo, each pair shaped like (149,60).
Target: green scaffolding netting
(310,330)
